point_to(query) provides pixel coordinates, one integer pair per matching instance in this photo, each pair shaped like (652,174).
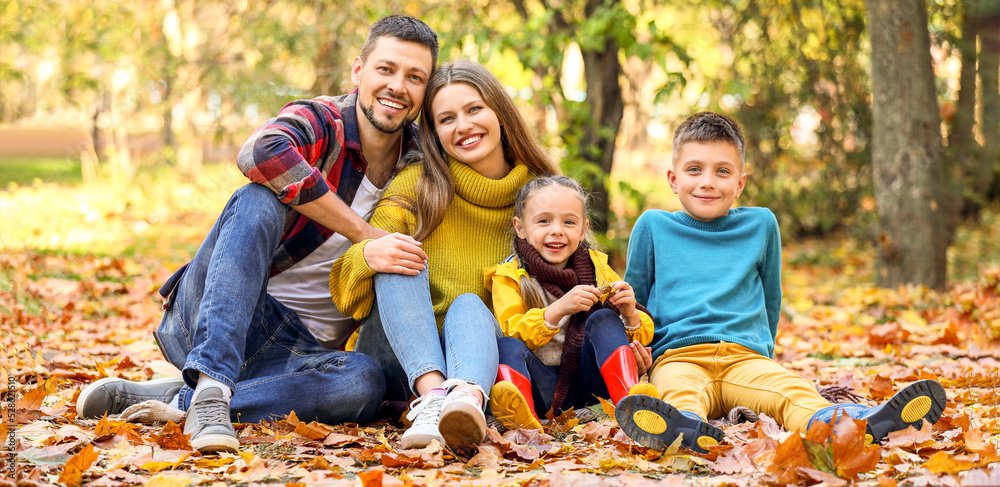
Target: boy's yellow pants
(710,379)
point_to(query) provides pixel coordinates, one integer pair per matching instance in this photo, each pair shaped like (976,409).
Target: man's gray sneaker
(112,395)
(208,423)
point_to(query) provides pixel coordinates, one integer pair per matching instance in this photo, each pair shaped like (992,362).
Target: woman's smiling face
(469,129)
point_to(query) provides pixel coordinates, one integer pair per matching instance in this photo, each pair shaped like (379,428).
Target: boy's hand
(623,296)
(643,357)
(580,298)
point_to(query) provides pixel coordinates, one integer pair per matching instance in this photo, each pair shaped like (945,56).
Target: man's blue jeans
(401,333)
(220,321)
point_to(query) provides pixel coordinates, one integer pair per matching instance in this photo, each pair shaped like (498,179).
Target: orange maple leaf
(32,400)
(850,455)
(72,474)
(371,478)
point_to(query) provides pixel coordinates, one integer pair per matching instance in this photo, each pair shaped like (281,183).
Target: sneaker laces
(211,411)
(425,409)
(122,400)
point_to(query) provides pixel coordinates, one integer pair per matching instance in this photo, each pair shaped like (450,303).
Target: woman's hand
(395,253)
(580,298)
(643,357)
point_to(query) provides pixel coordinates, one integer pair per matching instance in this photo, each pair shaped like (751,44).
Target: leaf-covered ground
(78,273)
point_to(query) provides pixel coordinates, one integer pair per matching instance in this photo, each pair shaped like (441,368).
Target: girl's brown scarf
(579,270)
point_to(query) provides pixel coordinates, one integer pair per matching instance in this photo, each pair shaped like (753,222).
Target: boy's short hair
(402,27)
(708,127)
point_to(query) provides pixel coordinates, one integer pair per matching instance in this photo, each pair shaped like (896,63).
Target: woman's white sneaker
(425,412)
(463,423)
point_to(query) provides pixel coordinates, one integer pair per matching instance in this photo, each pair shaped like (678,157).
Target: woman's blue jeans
(402,335)
(220,321)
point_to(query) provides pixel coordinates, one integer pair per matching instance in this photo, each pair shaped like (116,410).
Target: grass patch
(29,171)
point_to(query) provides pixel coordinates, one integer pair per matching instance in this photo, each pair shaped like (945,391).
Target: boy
(710,277)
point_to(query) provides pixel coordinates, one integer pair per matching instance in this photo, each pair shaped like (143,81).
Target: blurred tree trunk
(989,70)
(963,145)
(906,148)
(604,97)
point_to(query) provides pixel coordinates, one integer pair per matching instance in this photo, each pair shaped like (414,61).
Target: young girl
(566,316)
(431,330)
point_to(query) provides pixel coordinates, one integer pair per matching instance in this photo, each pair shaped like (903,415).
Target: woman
(432,329)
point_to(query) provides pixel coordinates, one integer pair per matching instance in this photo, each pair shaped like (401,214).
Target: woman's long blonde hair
(436,186)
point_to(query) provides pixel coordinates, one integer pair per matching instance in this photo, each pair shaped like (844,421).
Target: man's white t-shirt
(305,287)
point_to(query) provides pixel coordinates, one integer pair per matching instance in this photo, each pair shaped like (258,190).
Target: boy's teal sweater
(707,282)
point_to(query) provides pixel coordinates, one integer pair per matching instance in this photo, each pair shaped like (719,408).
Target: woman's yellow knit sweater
(474,234)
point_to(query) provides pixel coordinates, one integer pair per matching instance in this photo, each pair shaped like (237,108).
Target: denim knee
(512,351)
(604,321)
(260,207)
(337,401)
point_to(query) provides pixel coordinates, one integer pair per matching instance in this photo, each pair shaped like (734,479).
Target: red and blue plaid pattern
(310,148)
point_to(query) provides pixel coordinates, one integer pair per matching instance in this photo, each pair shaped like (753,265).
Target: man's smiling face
(391,83)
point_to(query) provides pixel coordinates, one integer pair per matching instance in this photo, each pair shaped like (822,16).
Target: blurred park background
(120,120)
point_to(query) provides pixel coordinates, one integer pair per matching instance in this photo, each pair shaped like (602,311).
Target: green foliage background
(195,75)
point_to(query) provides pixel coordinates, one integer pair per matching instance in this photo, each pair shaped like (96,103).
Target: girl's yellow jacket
(528,325)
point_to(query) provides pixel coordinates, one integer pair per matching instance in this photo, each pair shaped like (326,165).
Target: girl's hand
(643,357)
(623,296)
(580,298)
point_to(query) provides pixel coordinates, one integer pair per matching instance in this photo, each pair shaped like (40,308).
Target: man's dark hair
(710,127)
(402,27)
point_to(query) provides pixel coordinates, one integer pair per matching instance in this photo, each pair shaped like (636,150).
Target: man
(250,320)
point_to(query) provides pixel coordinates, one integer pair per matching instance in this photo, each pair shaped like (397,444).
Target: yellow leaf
(158,466)
(165,480)
(101,372)
(248,456)
(72,474)
(942,462)
(608,408)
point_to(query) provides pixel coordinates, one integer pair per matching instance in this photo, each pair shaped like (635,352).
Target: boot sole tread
(635,416)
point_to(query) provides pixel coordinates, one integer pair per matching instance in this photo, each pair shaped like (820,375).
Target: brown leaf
(172,437)
(881,387)
(258,470)
(32,400)
(339,440)
(887,333)
(911,439)
(788,459)
(850,455)
(823,478)
(488,457)
(72,474)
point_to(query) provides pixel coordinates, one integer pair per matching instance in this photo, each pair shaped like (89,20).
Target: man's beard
(383,126)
